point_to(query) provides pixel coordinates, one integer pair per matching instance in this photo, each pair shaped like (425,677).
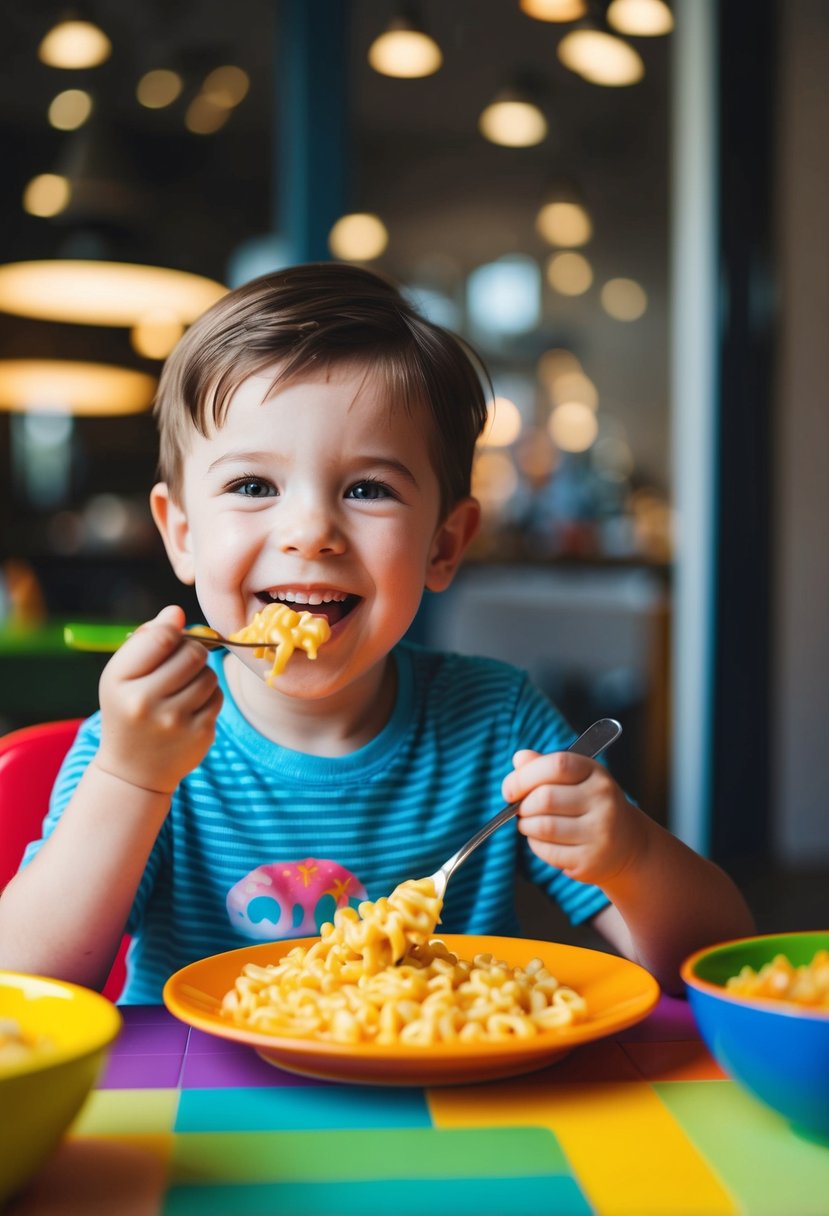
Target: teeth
(313,598)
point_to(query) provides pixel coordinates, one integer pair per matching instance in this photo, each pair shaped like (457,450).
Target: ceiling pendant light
(513,119)
(554,10)
(600,57)
(74,44)
(640,18)
(404,49)
(102,293)
(73,387)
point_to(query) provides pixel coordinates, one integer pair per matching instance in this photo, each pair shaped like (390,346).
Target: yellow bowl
(41,1093)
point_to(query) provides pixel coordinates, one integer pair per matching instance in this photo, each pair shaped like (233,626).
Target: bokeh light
(359,237)
(624,299)
(47,194)
(70,109)
(573,427)
(570,274)
(564,223)
(159,88)
(504,423)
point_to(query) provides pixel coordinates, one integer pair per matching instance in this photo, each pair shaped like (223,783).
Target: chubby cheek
(399,584)
(224,556)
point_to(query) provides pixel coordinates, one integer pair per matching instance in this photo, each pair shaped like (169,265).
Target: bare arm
(667,901)
(65,913)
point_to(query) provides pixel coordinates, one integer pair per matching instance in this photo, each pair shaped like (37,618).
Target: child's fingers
(211,707)
(524,757)
(556,768)
(150,645)
(548,799)
(186,697)
(564,857)
(563,829)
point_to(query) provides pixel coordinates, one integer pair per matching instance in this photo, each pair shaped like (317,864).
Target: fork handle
(105,638)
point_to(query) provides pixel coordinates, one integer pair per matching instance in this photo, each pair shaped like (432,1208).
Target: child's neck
(333,726)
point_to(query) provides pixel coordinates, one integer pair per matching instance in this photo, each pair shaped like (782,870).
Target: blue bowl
(777,1050)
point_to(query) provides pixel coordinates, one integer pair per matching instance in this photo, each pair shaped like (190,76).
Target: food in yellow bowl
(53,1041)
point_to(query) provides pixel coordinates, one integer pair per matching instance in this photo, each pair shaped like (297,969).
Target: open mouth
(335,606)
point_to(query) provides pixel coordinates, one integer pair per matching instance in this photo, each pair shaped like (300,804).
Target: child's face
(322,496)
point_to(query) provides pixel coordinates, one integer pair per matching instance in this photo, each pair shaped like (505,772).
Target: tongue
(333,611)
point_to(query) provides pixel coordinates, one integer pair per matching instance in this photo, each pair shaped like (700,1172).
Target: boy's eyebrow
(395,466)
(375,461)
(233,457)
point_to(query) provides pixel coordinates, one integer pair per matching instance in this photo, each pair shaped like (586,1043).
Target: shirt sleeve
(75,764)
(542,728)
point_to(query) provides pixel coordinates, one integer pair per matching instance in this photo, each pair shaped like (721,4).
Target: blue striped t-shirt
(262,843)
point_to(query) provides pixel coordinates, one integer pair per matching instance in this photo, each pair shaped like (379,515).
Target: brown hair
(310,318)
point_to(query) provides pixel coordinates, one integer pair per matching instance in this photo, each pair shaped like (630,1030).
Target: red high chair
(29,763)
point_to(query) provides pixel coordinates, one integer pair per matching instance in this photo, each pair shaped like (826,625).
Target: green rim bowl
(777,1050)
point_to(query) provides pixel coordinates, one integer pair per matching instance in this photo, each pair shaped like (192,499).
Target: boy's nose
(311,531)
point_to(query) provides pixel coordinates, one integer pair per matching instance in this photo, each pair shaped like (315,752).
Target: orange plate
(618,994)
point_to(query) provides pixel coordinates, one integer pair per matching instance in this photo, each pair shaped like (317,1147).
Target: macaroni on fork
(282,631)
(376,976)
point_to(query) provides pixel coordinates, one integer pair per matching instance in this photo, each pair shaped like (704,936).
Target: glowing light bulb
(74,44)
(404,52)
(600,58)
(513,123)
(641,18)
(359,237)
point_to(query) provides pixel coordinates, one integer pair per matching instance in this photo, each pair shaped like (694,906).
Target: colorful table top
(644,1124)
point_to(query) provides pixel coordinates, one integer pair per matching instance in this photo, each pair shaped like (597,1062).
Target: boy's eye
(252,487)
(370,489)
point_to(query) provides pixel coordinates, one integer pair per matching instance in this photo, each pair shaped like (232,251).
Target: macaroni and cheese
(15,1044)
(377,976)
(781,980)
(281,631)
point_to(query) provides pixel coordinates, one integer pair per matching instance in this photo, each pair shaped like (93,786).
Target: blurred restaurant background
(623,207)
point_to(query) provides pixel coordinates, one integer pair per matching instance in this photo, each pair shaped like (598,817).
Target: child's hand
(159,703)
(574,815)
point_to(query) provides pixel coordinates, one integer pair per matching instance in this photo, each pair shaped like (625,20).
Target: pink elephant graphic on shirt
(286,899)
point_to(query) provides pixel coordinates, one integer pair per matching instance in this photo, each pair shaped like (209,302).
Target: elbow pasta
(282,631)
(780,980)
(16,1045)
(377,976)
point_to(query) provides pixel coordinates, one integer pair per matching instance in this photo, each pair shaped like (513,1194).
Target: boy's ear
(171,522)
(451,540)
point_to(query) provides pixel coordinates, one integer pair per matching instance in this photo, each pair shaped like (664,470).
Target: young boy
(317,438)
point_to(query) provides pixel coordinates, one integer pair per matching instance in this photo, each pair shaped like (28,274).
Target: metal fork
(107,638)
